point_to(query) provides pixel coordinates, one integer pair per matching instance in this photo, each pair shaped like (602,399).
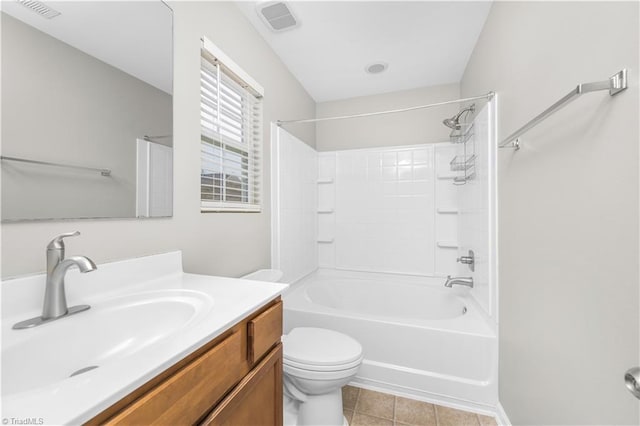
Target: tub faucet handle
(469,260)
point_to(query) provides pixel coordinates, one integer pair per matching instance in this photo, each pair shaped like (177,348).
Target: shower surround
(387,225)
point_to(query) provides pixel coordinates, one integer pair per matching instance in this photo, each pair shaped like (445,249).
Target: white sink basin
(146,314)
(111,330)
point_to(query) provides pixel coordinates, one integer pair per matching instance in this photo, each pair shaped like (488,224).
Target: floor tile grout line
(355,405)
(395,402)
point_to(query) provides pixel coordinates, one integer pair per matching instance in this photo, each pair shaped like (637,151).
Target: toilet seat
(302,373)
(321,368)
(318,349)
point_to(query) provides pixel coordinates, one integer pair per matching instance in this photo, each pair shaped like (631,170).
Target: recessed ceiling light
(376,67)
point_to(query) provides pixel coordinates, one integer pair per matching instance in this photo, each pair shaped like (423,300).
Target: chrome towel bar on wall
(615,84)
(103,172)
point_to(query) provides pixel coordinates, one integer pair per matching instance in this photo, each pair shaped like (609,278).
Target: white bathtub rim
(437,325)
(323,272)
(298,283)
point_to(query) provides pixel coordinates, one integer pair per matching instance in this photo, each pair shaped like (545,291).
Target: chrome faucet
(451,281)
(55,299)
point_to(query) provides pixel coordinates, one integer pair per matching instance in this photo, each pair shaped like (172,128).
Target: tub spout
(451,281)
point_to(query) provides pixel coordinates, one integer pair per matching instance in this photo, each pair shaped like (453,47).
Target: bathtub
(420,339)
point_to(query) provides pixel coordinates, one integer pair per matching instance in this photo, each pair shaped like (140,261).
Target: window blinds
(231,139)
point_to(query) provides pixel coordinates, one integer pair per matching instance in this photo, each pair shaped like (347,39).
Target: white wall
(295,216)
(568,202)
(407,128)
(215,243)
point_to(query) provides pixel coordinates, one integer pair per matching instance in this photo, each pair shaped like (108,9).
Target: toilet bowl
(317,364)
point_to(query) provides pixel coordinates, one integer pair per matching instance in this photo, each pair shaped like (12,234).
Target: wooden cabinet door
(188,395)
(257,400)
(264,331)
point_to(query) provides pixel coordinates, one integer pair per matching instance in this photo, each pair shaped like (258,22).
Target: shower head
(454,122)
(451,123)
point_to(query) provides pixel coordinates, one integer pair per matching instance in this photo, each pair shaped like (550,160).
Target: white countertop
(77,399)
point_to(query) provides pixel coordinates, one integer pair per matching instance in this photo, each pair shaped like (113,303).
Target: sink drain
(83,370)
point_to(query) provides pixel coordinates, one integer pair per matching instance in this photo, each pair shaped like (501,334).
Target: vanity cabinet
(236,379)
(257,400)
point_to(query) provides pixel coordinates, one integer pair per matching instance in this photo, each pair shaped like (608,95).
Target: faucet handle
(57,242)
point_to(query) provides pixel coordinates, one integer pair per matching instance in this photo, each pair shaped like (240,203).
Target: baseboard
(501,416)
(431,398)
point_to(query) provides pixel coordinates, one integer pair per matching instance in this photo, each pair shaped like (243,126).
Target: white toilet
(317,364)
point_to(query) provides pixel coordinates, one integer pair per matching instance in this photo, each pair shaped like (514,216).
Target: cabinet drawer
(264,331)
(257,400)
(190,393)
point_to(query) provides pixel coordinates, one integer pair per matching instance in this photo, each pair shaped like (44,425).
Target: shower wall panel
(294,221)
(477,209)
(377,211)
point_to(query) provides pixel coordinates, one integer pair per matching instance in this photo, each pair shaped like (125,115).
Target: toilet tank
(269,275)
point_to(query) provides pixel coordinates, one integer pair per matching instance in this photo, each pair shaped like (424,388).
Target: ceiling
(425,43)
(135,37)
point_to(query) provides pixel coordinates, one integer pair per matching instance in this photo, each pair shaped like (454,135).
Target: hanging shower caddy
(464,163)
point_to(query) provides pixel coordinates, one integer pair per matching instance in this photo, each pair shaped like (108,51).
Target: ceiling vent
(277,16)
(39,8)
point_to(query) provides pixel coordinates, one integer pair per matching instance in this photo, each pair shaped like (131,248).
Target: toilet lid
(320,347)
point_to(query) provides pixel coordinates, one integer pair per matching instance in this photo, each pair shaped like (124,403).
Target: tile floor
(363,407)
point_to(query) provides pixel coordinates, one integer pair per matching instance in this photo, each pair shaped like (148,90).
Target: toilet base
(291,411)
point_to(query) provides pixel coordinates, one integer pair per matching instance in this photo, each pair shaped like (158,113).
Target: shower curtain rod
(393,111)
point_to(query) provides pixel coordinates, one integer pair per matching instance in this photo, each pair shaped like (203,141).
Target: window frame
(255,147)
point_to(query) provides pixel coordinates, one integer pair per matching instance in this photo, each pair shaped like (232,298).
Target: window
(231,135)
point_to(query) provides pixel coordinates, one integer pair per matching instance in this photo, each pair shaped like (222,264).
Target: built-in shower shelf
(447,244)
(324,240)
(447,211)
(325,181)
(325,211)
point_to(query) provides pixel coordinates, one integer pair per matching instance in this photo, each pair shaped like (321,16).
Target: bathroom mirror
(86,110)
